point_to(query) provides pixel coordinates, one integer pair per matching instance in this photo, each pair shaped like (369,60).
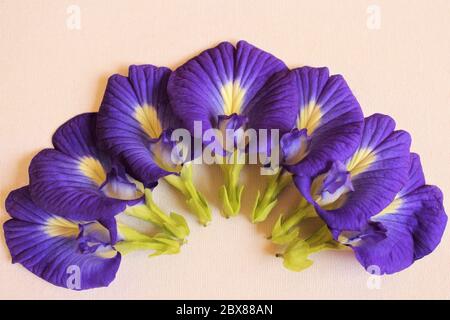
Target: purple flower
(407,229)
(77,180)
(331,117)
(133,116)
(64,227)
(135,123)
(67,253)
(227,80)
(349,192)
(230,83)
(328,128)
(82,254)
(369,178)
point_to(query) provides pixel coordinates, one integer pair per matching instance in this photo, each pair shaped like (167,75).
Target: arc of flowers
(357,177)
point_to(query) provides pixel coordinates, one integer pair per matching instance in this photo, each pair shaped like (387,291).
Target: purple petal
(275,105)
(416,178)
(330,113)
(77,137)
(226,80)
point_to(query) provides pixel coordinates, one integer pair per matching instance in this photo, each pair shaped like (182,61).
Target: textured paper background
(50,73)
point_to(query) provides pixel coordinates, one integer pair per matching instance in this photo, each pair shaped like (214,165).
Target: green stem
(264,205)
(231,192)
(194,199)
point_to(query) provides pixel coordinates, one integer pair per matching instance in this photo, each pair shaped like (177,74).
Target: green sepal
(265,203)
(165,245)
(199,206)
(133,240)
(180,228)
(262,208)
(194,199)
(231,192)
(130,235)
(125,247)
(285,229)
(281,236)
(142,212)
(323,239)
(295,258)
(231,204)
(174,224)
(296,255)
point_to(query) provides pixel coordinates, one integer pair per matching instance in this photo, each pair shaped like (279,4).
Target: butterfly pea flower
(366,182)
(135,124)
(233,87)
(406,230)
(61,251)
(73,254)
(77,180)
(348,193)
(328,128)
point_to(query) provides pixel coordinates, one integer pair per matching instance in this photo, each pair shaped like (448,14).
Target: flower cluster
(359,183)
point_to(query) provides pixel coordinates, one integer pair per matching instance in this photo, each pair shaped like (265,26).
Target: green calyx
(286,230)
(133,240)
(296,255)
(194,199)
(174,224)
(265,203)
(174,230)
(231,192)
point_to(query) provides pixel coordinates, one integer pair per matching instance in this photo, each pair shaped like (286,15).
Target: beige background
(50,73)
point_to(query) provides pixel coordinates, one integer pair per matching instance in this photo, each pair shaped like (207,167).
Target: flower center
(335,183)
(232,129)
(167,154)
(118,185)
(294,146)
(94,238)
